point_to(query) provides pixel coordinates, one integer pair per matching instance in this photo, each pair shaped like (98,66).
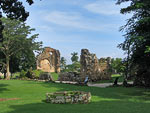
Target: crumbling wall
(104,65)
(92,67)
(69,76)
(49,60)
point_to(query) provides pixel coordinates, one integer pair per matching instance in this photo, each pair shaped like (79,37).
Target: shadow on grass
(3,87)
(93,107)
(120,92)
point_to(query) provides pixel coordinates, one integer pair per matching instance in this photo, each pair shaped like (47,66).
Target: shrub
(45,76)
(55,76)
(37,73)
(30,74)
(22,74)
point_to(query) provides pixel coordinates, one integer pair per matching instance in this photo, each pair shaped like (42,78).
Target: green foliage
(22,74)
(30,74)
(136,44)
(62,64)
(117,65)
(13,9)
(74,57)
(148,49)
(31,94)
(115,75)
(37,73)
(18,45)
(34,74)
(15,75)
(75,67)
(55,76)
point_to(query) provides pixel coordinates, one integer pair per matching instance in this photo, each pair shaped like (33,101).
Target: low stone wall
(69,76)
(68,97)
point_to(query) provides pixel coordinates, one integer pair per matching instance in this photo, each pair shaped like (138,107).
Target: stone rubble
(69,76)
(71,97)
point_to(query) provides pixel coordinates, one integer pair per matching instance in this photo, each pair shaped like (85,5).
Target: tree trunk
(7,69)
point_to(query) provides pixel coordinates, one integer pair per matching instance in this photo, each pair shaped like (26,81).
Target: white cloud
(107,7)
(45,28)
(76,20)
(63,18)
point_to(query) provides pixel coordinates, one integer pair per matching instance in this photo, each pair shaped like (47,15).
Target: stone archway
(49,60)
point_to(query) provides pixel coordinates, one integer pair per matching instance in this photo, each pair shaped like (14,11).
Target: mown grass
(31,96)
(113,77)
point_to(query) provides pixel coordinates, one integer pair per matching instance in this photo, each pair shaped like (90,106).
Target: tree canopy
(117,65)
(18,45)
(13,9)
(62,63)
(137,39)
(74,57)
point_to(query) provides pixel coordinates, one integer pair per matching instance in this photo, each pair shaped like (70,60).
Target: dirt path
(4,99)
(104,85)
(101,85)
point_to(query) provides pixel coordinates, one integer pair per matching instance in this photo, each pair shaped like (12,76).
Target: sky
(72,25)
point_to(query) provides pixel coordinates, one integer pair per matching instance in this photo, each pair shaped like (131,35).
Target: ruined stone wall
(69,76)
(92,67)
(49,60)
(105,68)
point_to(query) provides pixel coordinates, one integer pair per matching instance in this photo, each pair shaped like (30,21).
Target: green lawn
(31,96)
(113,77)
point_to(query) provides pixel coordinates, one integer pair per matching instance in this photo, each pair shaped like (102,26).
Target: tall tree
(13,9)
(74,57)
(117,65)
(62,63)
(18,42)
(75,66)
(137,39)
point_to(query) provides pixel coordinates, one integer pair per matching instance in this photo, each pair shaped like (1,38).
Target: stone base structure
(49,60)
(69,76)
(72,97)
(94,68)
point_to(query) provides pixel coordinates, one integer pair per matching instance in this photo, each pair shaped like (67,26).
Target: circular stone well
(68,97)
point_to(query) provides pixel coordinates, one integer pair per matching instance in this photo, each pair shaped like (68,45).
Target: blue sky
(71,25)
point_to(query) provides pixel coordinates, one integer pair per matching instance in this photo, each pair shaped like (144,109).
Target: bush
(55,76)
(30,74)
(22,74)
(45,76)
(37,73)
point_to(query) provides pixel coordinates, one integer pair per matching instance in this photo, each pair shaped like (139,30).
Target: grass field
(113,77)
(31,95)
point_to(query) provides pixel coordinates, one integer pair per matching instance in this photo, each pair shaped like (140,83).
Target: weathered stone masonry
(94,68)
(49,60)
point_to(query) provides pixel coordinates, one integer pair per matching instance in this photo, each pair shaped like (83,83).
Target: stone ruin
(69,76)
(94,68)
(72,97)
(49,60)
